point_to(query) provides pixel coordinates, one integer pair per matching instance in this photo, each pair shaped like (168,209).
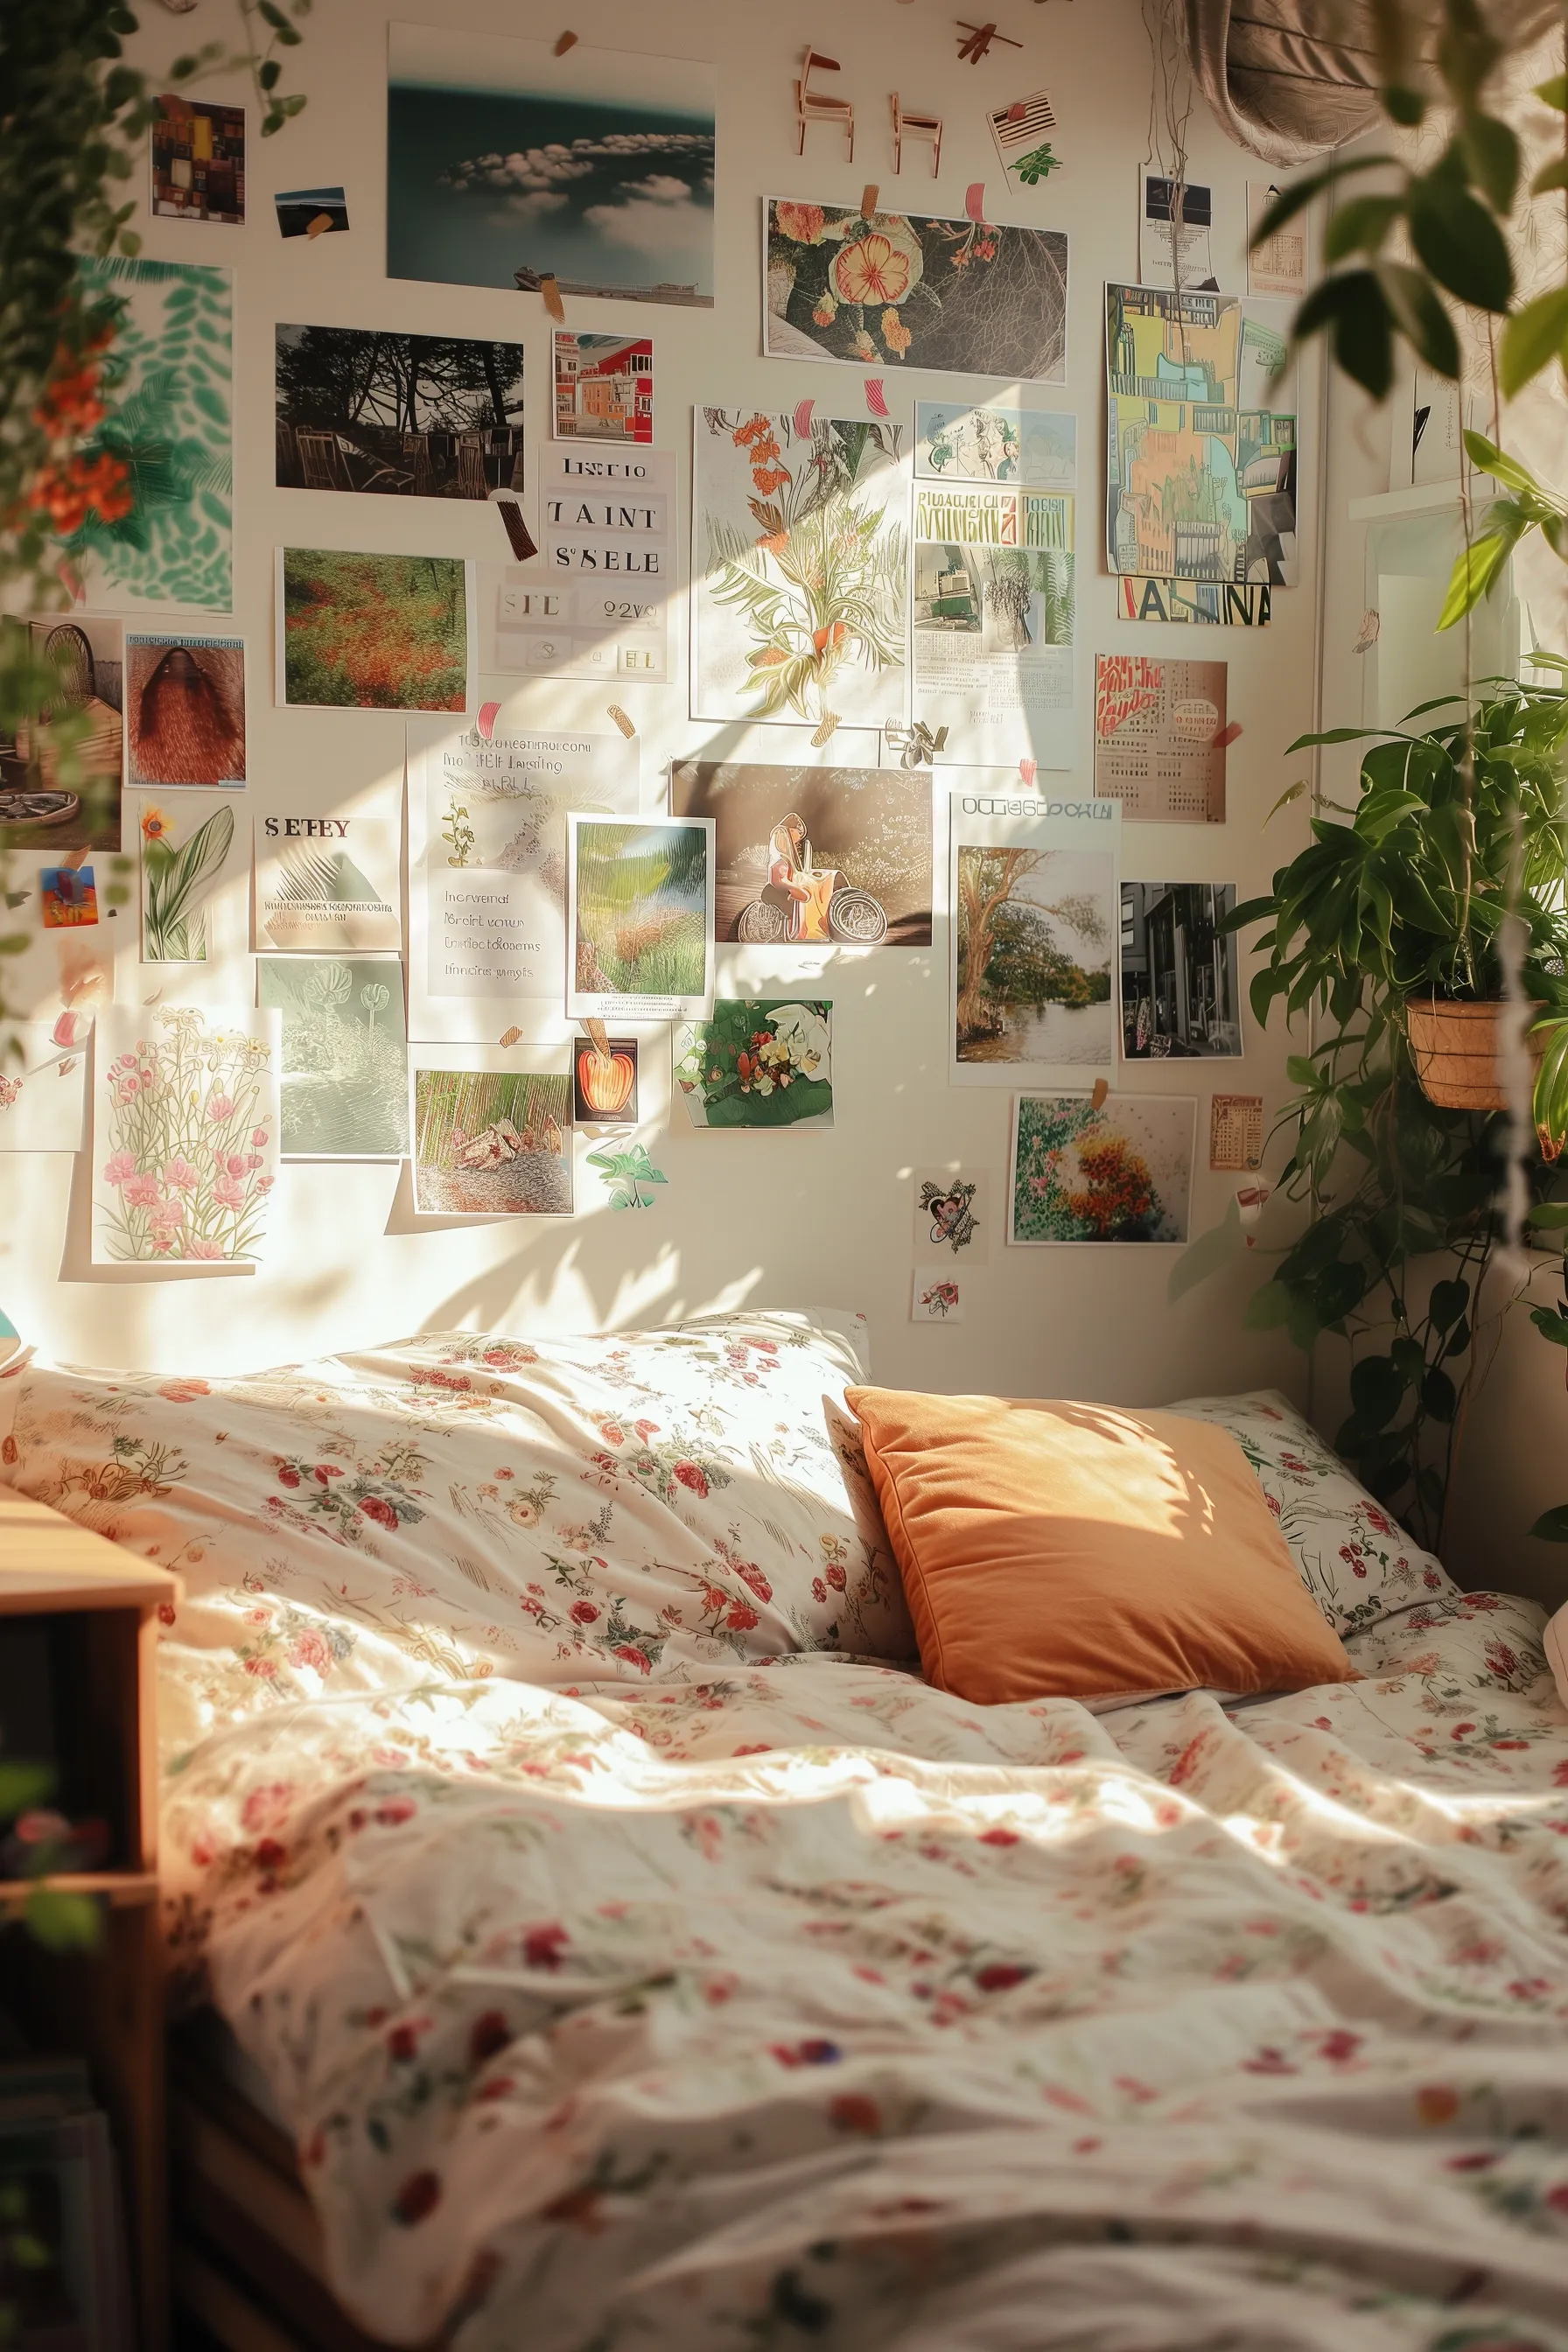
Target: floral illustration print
(184,1137)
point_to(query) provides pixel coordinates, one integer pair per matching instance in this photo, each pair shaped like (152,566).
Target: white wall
(779,1220)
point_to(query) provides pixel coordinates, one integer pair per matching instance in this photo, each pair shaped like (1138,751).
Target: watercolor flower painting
(185,1136)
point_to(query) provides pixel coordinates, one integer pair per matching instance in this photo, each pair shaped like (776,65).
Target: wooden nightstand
(79,1619)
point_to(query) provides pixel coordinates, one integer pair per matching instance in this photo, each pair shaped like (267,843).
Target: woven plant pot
(1454,1049)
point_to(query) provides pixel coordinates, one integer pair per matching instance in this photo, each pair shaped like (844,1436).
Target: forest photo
(1036,928)
(402,416)
(371,632)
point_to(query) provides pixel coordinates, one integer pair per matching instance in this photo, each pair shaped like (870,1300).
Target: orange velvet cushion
(1081,1551)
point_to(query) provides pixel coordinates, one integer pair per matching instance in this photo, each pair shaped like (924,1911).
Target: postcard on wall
(186,845)
(952,1216)
(1121,1174)
(1173,221)
(1201,604)
(936,1294)
(37,809)
(184,1134)
(603,387)
(429,416)
(185,711)
(43,1088)
(1019,132)
(300,210)
(799,569)
(605,1085)
(198,159)
(326,884)
(961,296)
(1157,726)
(993,620)
(639,919)
(955,443)
(1236,1132)
(487,1138)
(1279,266)
(595,605)
(68,897)
(1032,885)
(373,631)
(174,366)
(1181,993)
(507,162)
(1200,439)
(344,1066)
(486,863)
(814,856)
(761,1062)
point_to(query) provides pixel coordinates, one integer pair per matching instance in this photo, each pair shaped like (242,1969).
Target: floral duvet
(803,2004)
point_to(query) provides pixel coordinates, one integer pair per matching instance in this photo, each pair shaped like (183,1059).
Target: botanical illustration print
(1121,1174)
(184,711)
(491,1143)
(429,416)
(184,841)
(343,1067)
(961,295)
(811,856)
(937,1297)
(639,919)
(166,419)
(758,1063)
(43,1088)
(800,569)
(1035,934)
(327,882)
(37,809)
(371,632)
(956,443)
(184,1134)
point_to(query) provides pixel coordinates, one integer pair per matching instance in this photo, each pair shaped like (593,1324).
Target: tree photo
(1034,980)
(404,416)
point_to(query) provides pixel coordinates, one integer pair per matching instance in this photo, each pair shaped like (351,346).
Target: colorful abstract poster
(1121,1174)
(596,606)
(761,1062)
(326,884)
(185,711)
(813,858)
(1181,992)
(186,845)
(961,296)
(639,919)
(486,863)
(1158,738)
(428,417)
(43,1088)
(1201,439)
(344,1066)
(55,796)
(373,631)
(198,160)
(799,569)
(185,1135)
(993,620)
(489,1139)
(603,387)
(166,388)
(955,443)
(1036,920)
(507,162)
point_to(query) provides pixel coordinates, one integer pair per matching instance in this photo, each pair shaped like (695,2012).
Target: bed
(597,1935)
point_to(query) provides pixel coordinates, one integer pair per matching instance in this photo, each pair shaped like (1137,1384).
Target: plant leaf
(1459,241)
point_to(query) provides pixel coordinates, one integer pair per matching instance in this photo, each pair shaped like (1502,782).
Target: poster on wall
(1278,266)
(1122,1172)
(993,606)
(1173,223)
(487,1138)
(758,1062)
(1036,918)
(952,1214)
(1198,604)
(373,631)
(486,863)
(603,387)
(1200,439)
(639,919)
(964,297)
(1180,996)
(430,416)
(39,810)
(43,1088)
(173,372)
(507,162)
(595,605)
(184,1134)
(198,159)
(799,569)
(344,1056)
(936,1294)
(184,711)
(1158,730)
(957,443)
(813,856)
(326,884)
(1236,1132)
(186,842)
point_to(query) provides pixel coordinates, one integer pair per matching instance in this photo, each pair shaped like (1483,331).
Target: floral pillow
(1354,1559)
(558,1510)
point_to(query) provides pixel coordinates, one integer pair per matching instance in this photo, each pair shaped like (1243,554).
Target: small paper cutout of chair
(813,106)
(917,126)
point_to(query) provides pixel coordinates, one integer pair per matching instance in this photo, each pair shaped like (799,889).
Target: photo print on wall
(185,699)
(639,919)
(300,210)
(955,443)
(758,1062)
(39,810)
(1180,987)
(1121,1174)
(198,160)
(603,387)
(490,1139)
(814,856)
(373,631)
(1160,739)
(1033,939)
(344,1056)
(433,417)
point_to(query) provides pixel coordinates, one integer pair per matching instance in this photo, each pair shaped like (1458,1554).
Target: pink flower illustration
(140,1192)
(227,1192)
(203,1249)
(180,1175)
(220,1106)
(119,1166)
(259,1135)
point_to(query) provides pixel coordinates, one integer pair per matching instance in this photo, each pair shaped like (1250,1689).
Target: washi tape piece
(876,398)
(489,713)
(974,200)
(319,225)
(517,531)
(622,722)
(803,418)
(1227,736)
(869,195)
(1028,770)
(1102,1088)
(508,1036)
(552,293)
(567,41)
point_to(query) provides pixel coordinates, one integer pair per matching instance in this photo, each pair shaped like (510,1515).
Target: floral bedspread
(798,2003)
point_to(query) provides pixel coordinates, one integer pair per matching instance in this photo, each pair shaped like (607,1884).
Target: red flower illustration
(541,1946)
(381,1512)
(688,1474)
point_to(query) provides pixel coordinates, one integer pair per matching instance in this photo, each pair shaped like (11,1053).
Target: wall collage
(482,985)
